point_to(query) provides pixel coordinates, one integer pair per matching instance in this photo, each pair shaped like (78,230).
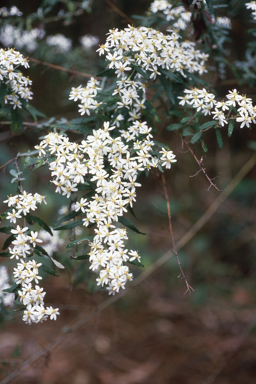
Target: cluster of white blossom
(62,43)
(26,273)
(89,41)
(86,96)
(172,13)
(204,101)
(19,84)
(7,299)
(13,11)
(112,168)
(224,22)
(252,6)
(11,36)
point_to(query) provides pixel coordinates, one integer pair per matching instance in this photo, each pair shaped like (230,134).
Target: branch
(117,10)
(189,288)
(200,163)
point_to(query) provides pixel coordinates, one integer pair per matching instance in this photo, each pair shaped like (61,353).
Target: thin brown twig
(200,163)
(63,69)
(174,250)
(148,272)
(117,10)
(8,162)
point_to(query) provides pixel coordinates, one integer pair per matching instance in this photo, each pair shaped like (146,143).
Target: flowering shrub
(99,172)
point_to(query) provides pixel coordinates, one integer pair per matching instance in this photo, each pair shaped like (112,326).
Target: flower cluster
(7,299)
(26,273)
(252,6)
(13,11)
(11,36)
(204,101)
(62,43)
(111,168)
(178,14)
(17,83)
(224,22)
(86,96)
(89,41)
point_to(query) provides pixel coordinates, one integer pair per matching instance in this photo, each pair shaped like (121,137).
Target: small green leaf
(196,137)
(48,270)
(231,127)
(8,241)
(136,262)
(14,288)
(17,123)
(6,229)
(174,127)
(140,71)
(185,119)
(34,112)
(5,254)
(219,138)
(79,241)
(165,83)
(40,222)
(41,249)
(208,124)
(81,257)
(252,145)
(129,225)
(67,217)
(71,225)
(107,72)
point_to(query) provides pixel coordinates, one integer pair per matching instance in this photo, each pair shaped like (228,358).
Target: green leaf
(14,288)
(171,75)
(208,124)
(165,83)
(196,137)
(136,262)
(34,112)
(8,241)
(140,71)
(174,127)
(5,254)
(41,249)
(39,221)
(152,111)
(128,224)
(219,138)
(79,241)
(6,229)
(84,186)
(17,123)
(231,127)
(185,119)
(252,145)
(107,72)
(67,217)
(48,270)
(71,225)
(81,257)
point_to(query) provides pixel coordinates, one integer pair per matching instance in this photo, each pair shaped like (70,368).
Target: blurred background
(156,333)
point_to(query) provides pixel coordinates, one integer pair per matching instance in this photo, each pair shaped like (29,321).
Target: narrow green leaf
(41,249)
(8,241)
(14,288)
(84,186)
(34,112)
(231,127)
(208,124)
(39,221)
(174,127)
(129,225)
(79,241)
(48,270)
(107,72)
(219,138)
(140,71)
(165,83)
(185,119)
(71,225)
(67,217)
(252,145)
(136,262)
(81,257)
(6,229)
(171,75)
(5,254)
(17,123)
(196,137)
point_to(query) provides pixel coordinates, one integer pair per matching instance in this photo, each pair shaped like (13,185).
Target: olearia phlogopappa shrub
(99,173)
